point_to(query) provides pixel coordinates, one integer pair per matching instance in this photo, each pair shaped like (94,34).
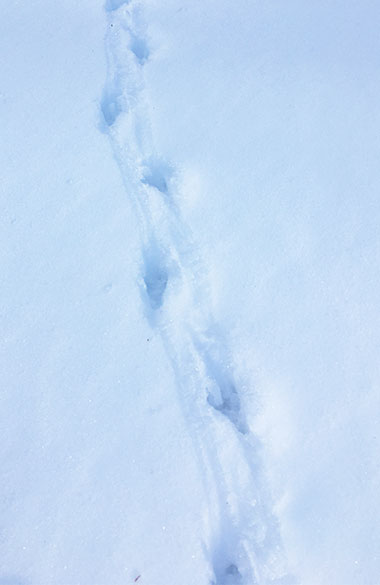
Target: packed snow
(190,381)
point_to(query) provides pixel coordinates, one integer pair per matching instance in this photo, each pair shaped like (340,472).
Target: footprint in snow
(139,48)
(155,275)
(110,105)
(157,174)
(112,5)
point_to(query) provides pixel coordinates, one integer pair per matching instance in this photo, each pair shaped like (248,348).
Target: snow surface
(190,292)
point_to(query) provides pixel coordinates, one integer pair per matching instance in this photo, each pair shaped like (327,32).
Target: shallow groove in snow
(244,546)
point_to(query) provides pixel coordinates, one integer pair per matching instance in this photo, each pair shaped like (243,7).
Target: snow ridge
(242,542)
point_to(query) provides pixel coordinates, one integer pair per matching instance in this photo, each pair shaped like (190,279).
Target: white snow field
(190,292)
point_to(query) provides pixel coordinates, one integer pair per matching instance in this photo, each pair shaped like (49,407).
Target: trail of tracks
(241,536)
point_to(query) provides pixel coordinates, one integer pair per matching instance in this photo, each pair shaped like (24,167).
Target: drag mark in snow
(244,546)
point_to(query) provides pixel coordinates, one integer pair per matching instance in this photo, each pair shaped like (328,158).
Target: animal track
(232,575)
(112,5)
(155,276)
(227,402)
(111,104)
(139,48)
(222,393)
(157,174)
(226,572)
(193,342)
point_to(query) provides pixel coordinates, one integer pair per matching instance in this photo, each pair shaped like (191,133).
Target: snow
(190,292)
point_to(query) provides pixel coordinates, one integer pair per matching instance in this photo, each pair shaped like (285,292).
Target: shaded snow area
(190,293)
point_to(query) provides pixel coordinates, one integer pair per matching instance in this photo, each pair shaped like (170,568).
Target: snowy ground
(190,290)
